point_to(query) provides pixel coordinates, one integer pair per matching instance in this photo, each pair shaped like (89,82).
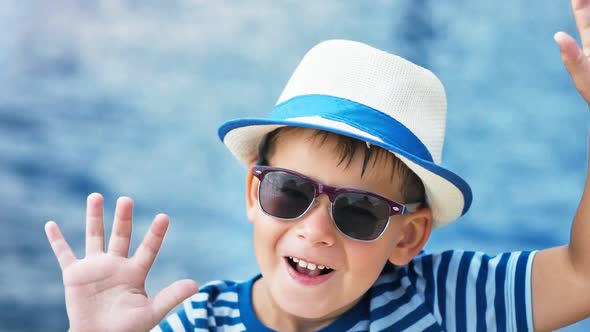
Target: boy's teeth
(309,266)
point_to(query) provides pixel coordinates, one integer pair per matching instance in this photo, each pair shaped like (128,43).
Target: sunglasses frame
(395,208)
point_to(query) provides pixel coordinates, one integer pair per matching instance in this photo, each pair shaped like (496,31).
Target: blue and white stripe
(450,291)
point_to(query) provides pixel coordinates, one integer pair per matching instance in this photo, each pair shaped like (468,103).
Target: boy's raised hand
(105,291)
(561,275)
(576,59)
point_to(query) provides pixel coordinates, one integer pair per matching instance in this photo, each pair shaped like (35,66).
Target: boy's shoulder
(218,290)
(455,290)
(222,296)
(215,305)
(462,267)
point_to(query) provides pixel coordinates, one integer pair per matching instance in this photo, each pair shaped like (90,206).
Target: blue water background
(125,97)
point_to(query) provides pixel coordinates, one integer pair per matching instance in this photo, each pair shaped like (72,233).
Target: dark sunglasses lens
(284,195)
(362,217)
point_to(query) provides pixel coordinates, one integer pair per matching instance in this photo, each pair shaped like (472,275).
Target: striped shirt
(450,291)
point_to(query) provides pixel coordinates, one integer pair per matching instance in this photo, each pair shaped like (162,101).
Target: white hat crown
(411,94)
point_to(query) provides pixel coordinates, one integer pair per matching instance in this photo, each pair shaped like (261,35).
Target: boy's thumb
(171,296)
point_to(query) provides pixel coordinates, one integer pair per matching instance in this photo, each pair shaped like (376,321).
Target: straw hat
(353,89)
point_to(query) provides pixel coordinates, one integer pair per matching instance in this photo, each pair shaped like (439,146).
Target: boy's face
(314,237)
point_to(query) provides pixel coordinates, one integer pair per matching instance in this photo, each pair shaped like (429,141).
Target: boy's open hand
(105,291)
(576,59)
(561,275)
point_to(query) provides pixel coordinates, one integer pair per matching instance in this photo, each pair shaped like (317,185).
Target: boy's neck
(273,317)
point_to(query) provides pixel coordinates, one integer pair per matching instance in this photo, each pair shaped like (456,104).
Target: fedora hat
(353,89)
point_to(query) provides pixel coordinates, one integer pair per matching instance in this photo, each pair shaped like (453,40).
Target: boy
(343,189)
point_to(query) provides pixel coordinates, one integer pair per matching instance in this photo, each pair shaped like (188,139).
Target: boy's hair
(411,186)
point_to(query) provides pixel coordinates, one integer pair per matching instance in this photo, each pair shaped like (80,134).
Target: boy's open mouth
(306,268)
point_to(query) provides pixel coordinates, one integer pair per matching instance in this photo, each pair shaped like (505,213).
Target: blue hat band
(365,118)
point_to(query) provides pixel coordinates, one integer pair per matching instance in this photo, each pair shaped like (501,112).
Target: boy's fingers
(121,233)
(60,247)
(149,247)
(581,11)
(571,54)
(576,63)
(94,225)
(171,296)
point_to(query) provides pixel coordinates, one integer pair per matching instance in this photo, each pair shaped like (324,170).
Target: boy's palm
(105,291)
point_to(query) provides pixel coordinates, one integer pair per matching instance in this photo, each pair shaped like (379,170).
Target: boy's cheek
(255,214)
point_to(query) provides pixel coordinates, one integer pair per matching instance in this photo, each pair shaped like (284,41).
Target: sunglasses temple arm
(411,207)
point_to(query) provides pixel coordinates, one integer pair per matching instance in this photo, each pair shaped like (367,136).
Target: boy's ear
(251,193)
(416,231)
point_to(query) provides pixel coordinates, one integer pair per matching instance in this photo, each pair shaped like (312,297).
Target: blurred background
(125,97)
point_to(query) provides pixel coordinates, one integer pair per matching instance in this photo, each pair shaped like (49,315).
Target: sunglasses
(358,214)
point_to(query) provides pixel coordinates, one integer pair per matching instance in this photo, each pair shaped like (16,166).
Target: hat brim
(447,194)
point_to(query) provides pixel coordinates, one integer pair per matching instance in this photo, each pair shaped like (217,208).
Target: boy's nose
(316,225)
